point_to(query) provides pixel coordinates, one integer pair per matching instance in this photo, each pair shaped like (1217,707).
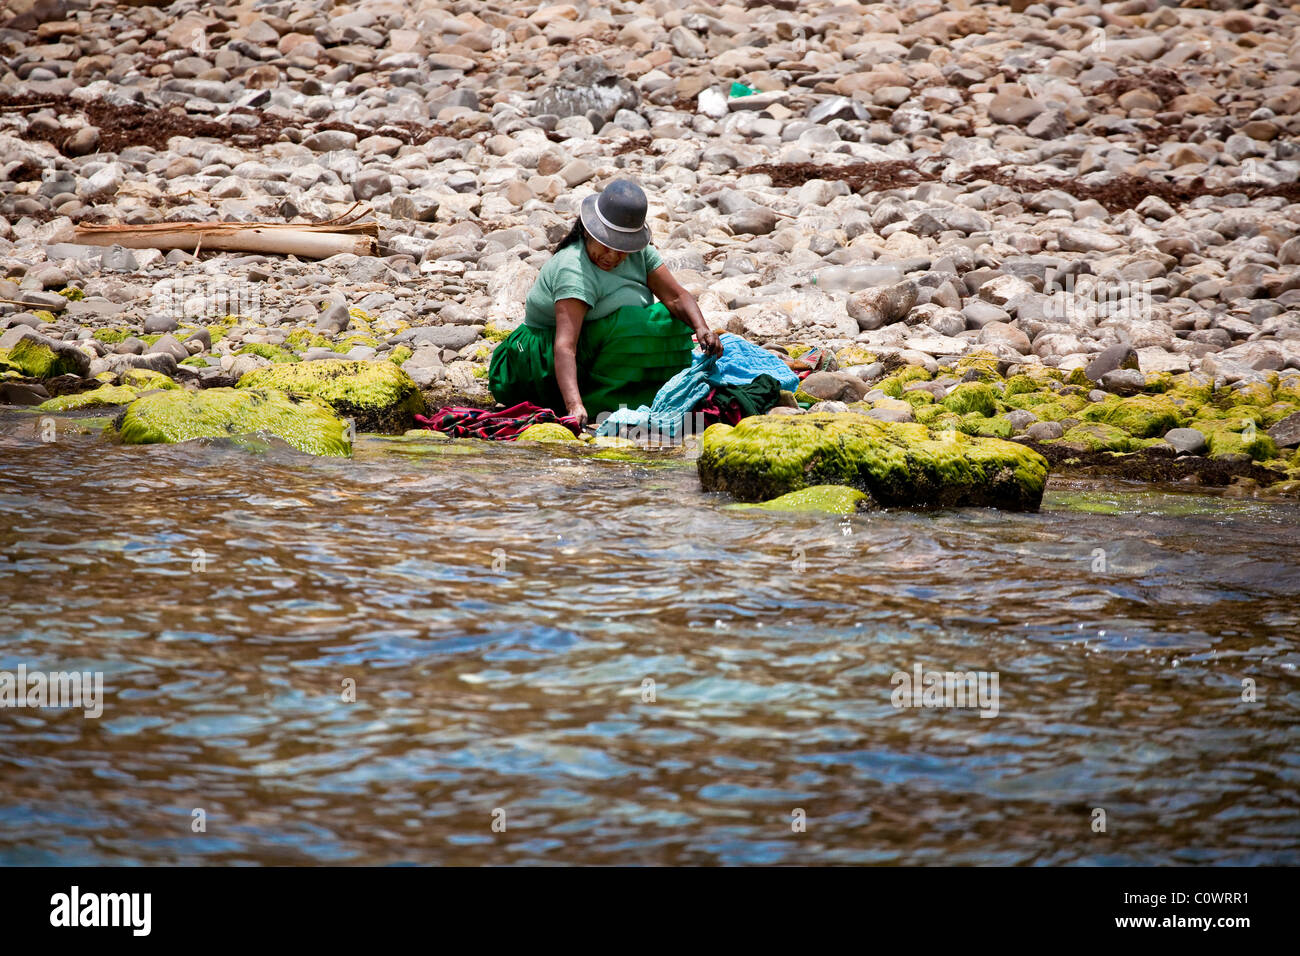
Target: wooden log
(250,238)
(308,240)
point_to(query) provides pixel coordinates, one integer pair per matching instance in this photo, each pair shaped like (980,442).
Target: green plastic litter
(740,89)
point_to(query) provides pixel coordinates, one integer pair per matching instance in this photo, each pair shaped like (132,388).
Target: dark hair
(576,234)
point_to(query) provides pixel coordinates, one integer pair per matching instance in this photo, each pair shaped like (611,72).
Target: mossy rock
(378,395)
(1061,407)
(1193,389)
(547,432)
(272,353)
(1288,390)
(1028,399)
(892,385)
(302,339)
(196,361)
(352,341)
(111,336)
(400,354)
(143,378)
(100,397)
(1021,385)
(36,359)
(1142,416)
(1098,436)
(983,364)
(45,315)
(1079,378)
(794,351)
(822,499)
(918,397)
(1284,489)
(1276,412)
(897,464)
(1256,393)
(854,355)
(72,294)
(1235,434)
(932,414)
(974,423)
(176,416)
(361,315)
(493,334)
(972,397)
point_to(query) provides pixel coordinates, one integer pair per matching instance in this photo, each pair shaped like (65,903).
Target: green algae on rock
(897,464)
(38,357)
(95,398)
(1142,416)
(1098,436)
(826,499)
(972,397)
(546,431)
(143,378)
(378,395)
(176,416)
(272,353)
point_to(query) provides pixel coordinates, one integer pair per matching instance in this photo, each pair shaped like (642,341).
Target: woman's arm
(569,314)
(683,307)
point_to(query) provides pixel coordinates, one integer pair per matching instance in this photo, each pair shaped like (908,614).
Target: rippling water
(501,610)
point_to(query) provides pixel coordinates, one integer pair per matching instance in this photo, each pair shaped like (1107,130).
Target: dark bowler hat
(615,217)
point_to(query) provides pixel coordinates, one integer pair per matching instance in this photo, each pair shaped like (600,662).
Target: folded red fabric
(503,425)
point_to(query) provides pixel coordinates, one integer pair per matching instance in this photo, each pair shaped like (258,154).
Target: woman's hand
(684,308)
(580,413)
(709,341)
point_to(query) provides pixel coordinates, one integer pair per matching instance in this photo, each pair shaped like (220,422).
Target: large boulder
(896,463)
(1142,416)
(177,415)
(379,396)
(38,356)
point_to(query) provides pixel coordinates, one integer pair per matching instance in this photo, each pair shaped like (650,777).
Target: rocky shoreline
(1091,211)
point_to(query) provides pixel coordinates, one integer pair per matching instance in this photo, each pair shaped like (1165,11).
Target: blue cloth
(673,403)
(743,361)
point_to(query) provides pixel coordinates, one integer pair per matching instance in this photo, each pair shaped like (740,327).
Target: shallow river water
(559,659)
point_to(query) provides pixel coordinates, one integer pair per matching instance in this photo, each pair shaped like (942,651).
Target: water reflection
(501,609)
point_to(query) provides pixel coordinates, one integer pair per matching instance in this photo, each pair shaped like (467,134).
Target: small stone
(1013,109)
(1045,431)
(169,345)
(328,140)
(1286,432)
(117,259)
(334,319)
(1186,441)
(1021,418)
(754,222)
(1000,333)
(576,173)
(872,308)
(371,183)
(1110,359)
(161,323)
(83,142)
(979,313)
(1123,381)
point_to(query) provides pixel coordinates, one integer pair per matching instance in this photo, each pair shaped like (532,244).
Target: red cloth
(715,411)
(504,425)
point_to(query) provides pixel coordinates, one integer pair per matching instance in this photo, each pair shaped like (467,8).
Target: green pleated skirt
(623,359)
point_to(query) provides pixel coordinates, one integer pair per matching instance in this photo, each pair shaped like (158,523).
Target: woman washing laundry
(593,339)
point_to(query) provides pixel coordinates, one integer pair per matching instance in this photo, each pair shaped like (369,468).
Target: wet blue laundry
(741,362)
(672,405)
